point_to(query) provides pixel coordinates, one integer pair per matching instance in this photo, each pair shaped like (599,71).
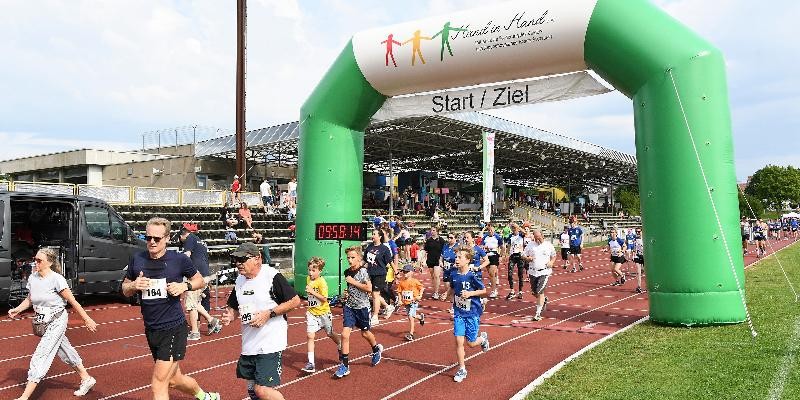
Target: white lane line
(78,346)
(76,327)
(779,381)
(413,362)
(411,385)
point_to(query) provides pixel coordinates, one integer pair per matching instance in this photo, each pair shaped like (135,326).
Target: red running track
(583,308)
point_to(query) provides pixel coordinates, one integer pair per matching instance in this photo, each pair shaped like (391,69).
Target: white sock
(311,357)
(538,310)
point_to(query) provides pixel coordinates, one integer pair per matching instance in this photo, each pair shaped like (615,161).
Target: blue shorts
(466,327)
(356,317)
(411,309)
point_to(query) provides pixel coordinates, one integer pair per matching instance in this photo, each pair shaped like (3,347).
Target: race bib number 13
(157,290)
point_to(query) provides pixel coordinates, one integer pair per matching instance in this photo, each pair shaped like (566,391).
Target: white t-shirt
(541,253)
(639,247)
(517,244)
(615,247)
(292,187)
(564,240)
(491,242)
(266,190)
(44,292)
(253,296)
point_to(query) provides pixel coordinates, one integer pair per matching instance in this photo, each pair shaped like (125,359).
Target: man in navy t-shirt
(159,277)
(377,257)
(575,242)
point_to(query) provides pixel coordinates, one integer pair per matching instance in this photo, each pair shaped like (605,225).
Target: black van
(93,242)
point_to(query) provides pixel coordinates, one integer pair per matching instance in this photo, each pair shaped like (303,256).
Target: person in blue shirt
(575,243)
(480,260)
(630,243)
(449,261)
(615,246)
(468,288)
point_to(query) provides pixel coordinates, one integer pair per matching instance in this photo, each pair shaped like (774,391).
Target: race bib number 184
(157,290)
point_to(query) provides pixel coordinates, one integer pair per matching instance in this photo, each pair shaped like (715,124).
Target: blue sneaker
(341,372)
(484,344)
(376,356)
(461,374)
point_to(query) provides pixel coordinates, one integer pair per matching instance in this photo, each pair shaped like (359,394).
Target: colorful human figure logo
(390,42)
(415,47)
(445,33)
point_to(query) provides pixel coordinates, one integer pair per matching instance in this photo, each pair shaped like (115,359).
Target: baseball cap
(236,177)
(407,268)
(246,249)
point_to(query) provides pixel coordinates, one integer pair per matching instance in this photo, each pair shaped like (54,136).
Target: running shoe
(376,356)
(85,386)
(622,279)
(215,326)
(341,372)
(421,319)
(616,283)
(436,296)
(461,374)
(484,300)
(374,321)
(493,295)
(519,295)
(309,368)
(485,342)
(193,336)
(510,295)
(537,317)
(389,311)
(565,266)
(574,269)
(638,289)
(409,337)
(212,396)
(580,266)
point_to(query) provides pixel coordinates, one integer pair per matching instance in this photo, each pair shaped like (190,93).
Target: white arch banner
(505,42)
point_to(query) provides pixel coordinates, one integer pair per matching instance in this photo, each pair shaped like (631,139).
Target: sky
(98,74)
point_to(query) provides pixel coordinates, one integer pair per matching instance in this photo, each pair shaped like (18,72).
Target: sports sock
(538,310)
(346,360)
(311,357)
(200,395)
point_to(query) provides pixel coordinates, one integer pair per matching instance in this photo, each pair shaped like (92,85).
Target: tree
(628,198)
(756,204)
(774,185)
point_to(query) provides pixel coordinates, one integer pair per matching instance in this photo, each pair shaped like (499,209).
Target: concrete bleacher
(456,221)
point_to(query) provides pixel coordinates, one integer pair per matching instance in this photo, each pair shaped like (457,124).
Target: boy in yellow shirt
(318,315)
(410,290)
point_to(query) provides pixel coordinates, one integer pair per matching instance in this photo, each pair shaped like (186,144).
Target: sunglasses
(154,238)
(241,260)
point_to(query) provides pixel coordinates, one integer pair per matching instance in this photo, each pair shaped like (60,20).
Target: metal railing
(135,195)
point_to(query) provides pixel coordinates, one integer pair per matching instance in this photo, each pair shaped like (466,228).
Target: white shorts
(317,322)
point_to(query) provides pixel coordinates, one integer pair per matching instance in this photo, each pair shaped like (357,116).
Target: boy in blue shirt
(467,307)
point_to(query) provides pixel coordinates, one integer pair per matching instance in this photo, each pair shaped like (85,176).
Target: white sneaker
(85,386)
(493,295)
(389,311)
(374,321)
(436,296)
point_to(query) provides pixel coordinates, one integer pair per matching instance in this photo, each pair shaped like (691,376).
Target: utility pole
(241,47)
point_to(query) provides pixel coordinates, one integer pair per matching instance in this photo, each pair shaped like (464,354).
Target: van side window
(118,229)
(97,222)
(2,217)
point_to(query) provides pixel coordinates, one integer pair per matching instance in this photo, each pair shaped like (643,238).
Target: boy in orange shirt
(410,290)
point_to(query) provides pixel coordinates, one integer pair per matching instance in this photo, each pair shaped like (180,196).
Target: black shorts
(168,344)
(356,317)
(538,283)
(638,260)
(574,249)
(400,242)
(265,369)
(745,237)
(378,282)
(564,253)
(494,258)
(618,259)
(414,259)
(760,237)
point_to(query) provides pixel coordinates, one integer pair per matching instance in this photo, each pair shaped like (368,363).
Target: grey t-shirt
(357,298)
(44,291)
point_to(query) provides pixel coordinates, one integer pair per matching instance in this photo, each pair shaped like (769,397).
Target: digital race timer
(341,231)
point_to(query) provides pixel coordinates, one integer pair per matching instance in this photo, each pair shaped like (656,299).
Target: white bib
(407,295)
(462,303)
(43,314)
(246,312)
(157,290)
(313,301)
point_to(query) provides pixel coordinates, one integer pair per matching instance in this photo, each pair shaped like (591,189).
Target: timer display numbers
(340,231)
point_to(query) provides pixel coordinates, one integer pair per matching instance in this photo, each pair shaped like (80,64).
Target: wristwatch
(272,314)
(189,286)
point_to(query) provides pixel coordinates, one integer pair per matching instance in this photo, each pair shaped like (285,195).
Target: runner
(745,228)
(515,261)
(630,244)
(356,310)
(479,260)
(615,246)
(433,253)
(449,262)
(759,234)
(410,295)
(197,300)
(261,300)
(491,242)
(158,274)
(564,240)
(318,314)
(378,257)
(467,287)
(388,293)
(638,259)
(541,256)
(575,242)
(48,293)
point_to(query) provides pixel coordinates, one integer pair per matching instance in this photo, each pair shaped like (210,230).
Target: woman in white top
(48,292)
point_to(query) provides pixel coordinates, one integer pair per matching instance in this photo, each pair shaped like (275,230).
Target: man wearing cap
(261,299)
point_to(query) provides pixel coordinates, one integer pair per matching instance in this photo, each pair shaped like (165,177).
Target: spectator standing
(47,293)
(261,300)
(293,192)
(266,196)
(236,189)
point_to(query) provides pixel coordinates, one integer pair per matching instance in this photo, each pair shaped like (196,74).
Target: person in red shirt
(413,252)
(410,290)
(236,188)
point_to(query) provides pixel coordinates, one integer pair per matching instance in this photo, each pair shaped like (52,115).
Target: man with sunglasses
(261,300)
(159,275)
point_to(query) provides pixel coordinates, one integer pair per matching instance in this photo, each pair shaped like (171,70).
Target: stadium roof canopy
(451,147)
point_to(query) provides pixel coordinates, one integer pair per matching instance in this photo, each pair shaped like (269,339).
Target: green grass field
(719,362)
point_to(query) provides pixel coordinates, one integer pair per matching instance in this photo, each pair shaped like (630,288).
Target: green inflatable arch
(683,135)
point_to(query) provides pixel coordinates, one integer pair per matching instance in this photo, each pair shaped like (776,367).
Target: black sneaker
(580,266)
(622,279)
(510,295)
(638,289)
